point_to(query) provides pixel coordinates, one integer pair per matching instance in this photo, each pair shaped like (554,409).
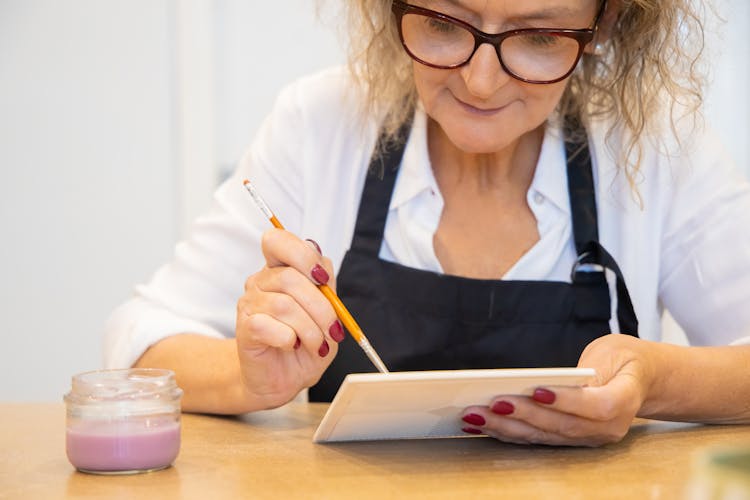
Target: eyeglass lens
(531,56)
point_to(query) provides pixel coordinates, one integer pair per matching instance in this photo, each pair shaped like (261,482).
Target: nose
(484,74)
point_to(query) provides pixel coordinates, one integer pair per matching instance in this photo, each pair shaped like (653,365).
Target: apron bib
(421,320)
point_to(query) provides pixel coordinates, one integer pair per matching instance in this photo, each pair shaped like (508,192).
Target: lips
(482,110)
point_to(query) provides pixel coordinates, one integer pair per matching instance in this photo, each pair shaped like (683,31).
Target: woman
(494,184)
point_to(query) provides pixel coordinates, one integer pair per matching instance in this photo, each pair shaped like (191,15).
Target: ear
(606,25)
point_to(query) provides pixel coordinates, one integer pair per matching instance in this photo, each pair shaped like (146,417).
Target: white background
(117,119)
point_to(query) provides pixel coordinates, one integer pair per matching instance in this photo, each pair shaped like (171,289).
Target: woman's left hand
(594,415)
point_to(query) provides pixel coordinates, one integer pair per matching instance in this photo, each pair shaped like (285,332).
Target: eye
(440,26)
(540,40)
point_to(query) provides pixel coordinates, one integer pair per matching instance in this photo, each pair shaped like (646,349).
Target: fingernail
(324,348)
(319,274)
(297,343)
(471,430)
(544,396)
(336,331)
(473,419)
(503,408)
(315,244)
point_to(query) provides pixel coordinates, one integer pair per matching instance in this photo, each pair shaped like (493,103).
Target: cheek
(551,93)
(429,82)
(541,100)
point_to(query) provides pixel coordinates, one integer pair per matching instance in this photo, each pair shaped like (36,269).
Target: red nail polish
(544,396)
(315,244)
(324,348)
(319,274)
(503,408)
(473,419)
(336,331)
(471,430)
(297,343)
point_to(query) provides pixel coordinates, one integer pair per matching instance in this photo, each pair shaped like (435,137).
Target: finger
(326,263)
(509,430)
(258,332)
(287,311)
(288,281)
(314,245)
(282,248)
(603,403)
(520,420)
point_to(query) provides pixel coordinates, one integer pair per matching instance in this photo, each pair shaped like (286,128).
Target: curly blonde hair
(647,50)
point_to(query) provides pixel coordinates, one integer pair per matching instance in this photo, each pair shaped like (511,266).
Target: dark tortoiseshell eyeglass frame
(582,36)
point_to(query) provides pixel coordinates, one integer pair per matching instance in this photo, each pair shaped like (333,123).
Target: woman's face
(481,108)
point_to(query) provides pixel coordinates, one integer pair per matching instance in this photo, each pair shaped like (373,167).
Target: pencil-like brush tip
(245,182)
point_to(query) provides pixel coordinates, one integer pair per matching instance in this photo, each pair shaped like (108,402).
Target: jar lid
(139,390)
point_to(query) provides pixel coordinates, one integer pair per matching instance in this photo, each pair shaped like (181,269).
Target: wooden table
(271,455)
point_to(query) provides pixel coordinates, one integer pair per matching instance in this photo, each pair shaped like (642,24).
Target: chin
(479,140)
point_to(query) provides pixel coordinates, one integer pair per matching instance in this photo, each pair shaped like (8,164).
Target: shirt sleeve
(197,291)
(705,262)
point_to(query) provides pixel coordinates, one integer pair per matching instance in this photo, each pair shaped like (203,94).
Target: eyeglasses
(532,55)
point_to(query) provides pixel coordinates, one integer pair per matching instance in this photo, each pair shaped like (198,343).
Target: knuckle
(244,307)
(313,378)
(290,340)
(619,436)
(572,430)
(250,283)
(279,304)
(268,237)
(608,437)
(605,410)
(287,278)
(310,336)
(608,434)
(323,314)
(254,322)
(538,437)
(618,432)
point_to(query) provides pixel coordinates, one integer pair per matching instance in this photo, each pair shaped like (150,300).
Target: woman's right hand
(287,332)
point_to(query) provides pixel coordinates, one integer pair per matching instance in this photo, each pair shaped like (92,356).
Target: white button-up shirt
(683,245)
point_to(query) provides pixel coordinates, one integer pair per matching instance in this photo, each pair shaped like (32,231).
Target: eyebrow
(555,12)
(550,13)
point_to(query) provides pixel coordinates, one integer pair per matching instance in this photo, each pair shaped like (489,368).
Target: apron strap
(585,224)
(377,192)
(580,185)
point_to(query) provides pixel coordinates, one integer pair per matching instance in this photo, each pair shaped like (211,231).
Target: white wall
(117,118)
(87,198)
(103,112)
(728,99)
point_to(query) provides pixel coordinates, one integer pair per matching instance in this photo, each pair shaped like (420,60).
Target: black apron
(420,320)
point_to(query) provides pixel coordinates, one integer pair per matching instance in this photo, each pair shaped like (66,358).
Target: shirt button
(538,198)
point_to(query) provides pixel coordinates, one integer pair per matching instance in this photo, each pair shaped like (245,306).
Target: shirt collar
(416,177)
(551,177)
(416,174)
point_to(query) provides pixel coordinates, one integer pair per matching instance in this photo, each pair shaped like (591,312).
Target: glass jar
(123,421)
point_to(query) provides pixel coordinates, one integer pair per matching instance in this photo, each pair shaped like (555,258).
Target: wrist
(642,356)
(662,371)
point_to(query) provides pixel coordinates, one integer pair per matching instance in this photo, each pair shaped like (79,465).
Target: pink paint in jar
(123,421)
